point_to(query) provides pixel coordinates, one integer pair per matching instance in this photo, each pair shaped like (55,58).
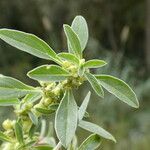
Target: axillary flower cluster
(52,93)
(55,95)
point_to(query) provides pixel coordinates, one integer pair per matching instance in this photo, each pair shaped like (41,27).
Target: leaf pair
(90,126)
(113,85)
(77,36)
(67,116)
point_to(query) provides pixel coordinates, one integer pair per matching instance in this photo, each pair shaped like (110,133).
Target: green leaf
(69,57)
(95,63)
(28,43)
(11,88)
(4,137)
(96,129)
(32,97)
(32,130)
(73,41)
(79,26)
(9,102)
(43,147)
(19,133)
(119,88)
(95,84)
(48,73)
(53,106)
(66,119)
(33,118)
(91,143)
(82,109)
(45,111)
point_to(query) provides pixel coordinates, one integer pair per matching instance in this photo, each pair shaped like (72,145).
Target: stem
(58,146)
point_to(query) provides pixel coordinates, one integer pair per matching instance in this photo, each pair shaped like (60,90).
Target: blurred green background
(119,33)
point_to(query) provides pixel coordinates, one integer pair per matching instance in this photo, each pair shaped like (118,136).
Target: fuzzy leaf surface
(33,97)
(118,88)
(95,84)
(91,143)
(69,57)
(95,63)
(28,43)
(79,26)
(33,118)
(48,73)
(66,119)
(9,102)
(73,41)
(82,108)
(96,129)
(11,88)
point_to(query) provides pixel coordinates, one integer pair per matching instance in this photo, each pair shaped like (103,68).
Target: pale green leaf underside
(96,129)
(28,43)
(95,84)
(69,57)
(12,88)
(48,73)
(82,108)
(4,137)
(91,143)
(73,40)
(80,27)
(33,118)
(9,102)
(66,119)
(95,63)
(119,88)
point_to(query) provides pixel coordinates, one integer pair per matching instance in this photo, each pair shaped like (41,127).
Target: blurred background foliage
(119,33)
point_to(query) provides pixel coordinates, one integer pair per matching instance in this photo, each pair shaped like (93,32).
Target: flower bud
(7,124)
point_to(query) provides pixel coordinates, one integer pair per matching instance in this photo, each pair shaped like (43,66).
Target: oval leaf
(48,73)
(11,88)
(79,26)
(32,97)
(96,129)
(118,88)
(69,57)
(9,102)
(28,43)
(66,119)
(95,84)
(91,143)
(19,133)
(32,131)
(73,40)
(82,109)
(4,137)
(95,63)
(45,111)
